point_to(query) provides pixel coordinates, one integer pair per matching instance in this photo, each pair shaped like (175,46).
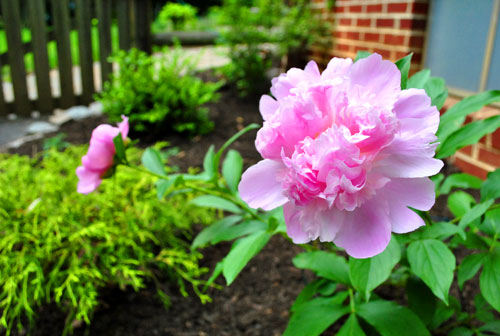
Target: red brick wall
(392,28)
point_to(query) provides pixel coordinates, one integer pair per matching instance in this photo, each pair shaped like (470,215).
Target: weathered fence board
(39,40)
(133,18)
(12,20)
(3,106)
(83,18)
(61,28)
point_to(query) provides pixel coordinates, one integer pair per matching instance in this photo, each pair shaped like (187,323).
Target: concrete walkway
(14,131)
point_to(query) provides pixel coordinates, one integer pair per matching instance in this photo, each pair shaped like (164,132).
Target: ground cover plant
(159,93)
(175,16)
(392,131)
(59,247)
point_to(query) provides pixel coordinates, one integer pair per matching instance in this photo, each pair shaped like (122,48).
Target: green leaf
(210,201)
(491,187)
(492,327)
(403,65)
(215,274)
(460,180)
(367,274)
(362,54)
(419,79)
(390,319)
(474,213)
(436,90)
(308,293)
(467,135)
(440,230)
(209,234)
(469,267)
(233,139)
(162,186)
(232,169)
(460,203)
(489,281)
(209,167)
(120,148)
(324,264)
(433,262)
(491,223)
(421,300)
(351,327)
(314,317)
(242,251)
(239,230)
(461,331)
(453,119)
(151,159)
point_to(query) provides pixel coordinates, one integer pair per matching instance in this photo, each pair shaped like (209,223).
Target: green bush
(57,246)
(159,93)
(176,16)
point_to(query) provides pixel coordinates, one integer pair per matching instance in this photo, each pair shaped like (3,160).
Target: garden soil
(258,301)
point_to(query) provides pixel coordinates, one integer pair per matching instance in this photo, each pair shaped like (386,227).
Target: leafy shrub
(159,93)
(62,247)
(176,16)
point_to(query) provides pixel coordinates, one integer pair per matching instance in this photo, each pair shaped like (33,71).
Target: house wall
(394,28)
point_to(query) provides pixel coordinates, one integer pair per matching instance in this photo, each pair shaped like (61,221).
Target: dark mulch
(257,303)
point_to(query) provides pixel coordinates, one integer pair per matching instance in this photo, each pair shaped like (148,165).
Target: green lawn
(52,48)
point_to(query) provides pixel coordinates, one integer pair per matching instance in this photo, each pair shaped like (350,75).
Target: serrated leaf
(368,274)
(403,65)
(435,87)
(211,201)
(460,180)
(467,135)
(232,168)
(390,319)
(151,159)
(242,251)
(351,327)
(324,264)
(474,213)
(433,262)
(314,317)
(419,79)
(453,119)
(489,281)
(209,234)
(491,187)
(460,203)
(469,267)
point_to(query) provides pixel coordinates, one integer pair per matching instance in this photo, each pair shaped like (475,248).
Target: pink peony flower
(100,156)
(346,152)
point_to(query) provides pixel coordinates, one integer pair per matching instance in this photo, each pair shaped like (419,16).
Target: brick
(338,34)
(342,47)
(374,8)
(419,8)
(470,168)
(385,22)
(400,54)
(467,150)
(495,139)
(353,35)
(355,9)
(396,7)
(360,48)
(372,37)
(364,22)
(345,22)
(384,53)
(490,156)
(394,39)
(340,9)
(416,58)
(412,24)
(416,41)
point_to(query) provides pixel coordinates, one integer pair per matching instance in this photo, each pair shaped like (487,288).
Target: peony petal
(293,224)
(417,193)
(104,134)
(267,106)
(124,127)
(312,69)
(415,112)
(88,180)
(337,67)
(408,166)
(404,220)
(99,157)
(380,80)
(260,185)
(365,231)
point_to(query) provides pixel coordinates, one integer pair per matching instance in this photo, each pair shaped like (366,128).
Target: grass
(52,48)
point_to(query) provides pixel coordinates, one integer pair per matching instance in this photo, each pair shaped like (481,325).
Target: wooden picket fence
(133,18)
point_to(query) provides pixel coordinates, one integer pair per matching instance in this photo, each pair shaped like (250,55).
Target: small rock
(41,127)
(78,112)
(59,117)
